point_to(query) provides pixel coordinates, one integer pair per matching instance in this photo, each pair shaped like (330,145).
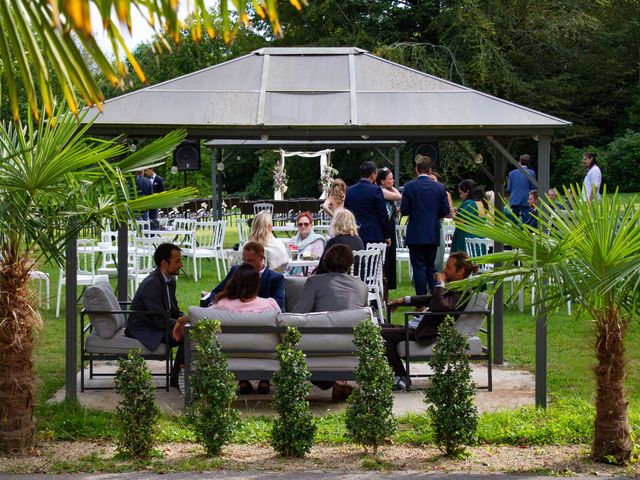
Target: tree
(44,36)
(589,254)
(54,181)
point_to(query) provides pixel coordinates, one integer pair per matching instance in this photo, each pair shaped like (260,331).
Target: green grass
(570,379)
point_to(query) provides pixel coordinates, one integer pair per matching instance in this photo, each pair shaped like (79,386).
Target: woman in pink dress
(241,295)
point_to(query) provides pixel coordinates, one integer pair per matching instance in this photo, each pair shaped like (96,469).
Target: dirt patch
(51,457)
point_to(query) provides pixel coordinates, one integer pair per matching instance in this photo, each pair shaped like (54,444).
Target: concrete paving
(511,389)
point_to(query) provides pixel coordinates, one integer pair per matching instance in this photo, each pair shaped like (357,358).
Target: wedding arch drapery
(325,161)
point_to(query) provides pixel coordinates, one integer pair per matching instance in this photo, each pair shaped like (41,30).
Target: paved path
(511,389)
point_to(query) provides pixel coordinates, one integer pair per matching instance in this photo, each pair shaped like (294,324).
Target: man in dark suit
(366,202)
(425,202)
(271,283)
(157,184)
(458,267)
(143,188)
(157,293)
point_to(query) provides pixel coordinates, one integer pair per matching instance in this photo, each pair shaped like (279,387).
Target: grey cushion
(259,364)
(264,344)
(474,347)
(469,324)
(293,287)
(318,344)
(340,363)
(119,344)
(100,297)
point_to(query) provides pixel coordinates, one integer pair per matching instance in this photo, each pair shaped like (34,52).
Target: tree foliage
(137,414)
(294,428)
(369,418)
(452,411)
(589,254)
(213,389)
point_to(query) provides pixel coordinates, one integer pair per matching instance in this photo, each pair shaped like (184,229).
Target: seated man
(271,283)
(157,293)
(458,267)
(332,291)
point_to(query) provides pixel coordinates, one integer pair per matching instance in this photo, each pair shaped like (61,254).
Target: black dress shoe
(245,387)
(264,387)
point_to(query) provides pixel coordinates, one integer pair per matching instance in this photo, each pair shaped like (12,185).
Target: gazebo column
(499,167)
(544,169)
(71,319)
(214,184)
(123,260)
(396,165)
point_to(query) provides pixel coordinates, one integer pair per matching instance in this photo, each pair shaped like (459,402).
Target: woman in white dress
(592,179)
(277,255)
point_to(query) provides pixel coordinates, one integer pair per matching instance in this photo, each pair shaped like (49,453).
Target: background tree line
(575,59)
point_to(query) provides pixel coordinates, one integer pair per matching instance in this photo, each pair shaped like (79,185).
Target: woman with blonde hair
(343,230)
(335,197)
(276,254)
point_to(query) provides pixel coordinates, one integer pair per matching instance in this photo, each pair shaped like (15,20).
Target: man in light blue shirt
(519,187)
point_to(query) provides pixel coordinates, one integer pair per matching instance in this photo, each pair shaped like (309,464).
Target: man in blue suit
(271,283)
(366,202)
(425,202)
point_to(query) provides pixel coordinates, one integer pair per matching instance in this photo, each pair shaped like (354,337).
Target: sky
(141,31)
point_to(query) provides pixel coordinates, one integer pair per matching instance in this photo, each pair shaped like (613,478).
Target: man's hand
(395,303)
(178,329)
(387,242)
(440,277)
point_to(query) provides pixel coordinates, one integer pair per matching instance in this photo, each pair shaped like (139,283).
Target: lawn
(570,354)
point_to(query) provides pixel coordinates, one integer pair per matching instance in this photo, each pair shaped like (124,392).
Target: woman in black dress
(391,196)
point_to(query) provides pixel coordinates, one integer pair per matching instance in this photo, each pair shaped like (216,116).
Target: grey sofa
(250,339)
(102,338)
(469,324)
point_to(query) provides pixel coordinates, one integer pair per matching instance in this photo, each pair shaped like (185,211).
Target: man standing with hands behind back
(425,202)
(158,186)
(366,201)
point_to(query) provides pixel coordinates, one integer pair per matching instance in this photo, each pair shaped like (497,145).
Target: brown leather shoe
(264,387)
(341,392)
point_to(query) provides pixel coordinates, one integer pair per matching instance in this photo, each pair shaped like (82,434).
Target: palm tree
(40,37)
(50,173)
(589,254)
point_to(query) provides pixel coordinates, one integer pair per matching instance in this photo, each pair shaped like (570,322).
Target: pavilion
(327,96)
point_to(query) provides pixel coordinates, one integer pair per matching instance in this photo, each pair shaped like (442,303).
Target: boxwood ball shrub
(213,389)
(452,411)
(137,414)
(294,428)
(369,417)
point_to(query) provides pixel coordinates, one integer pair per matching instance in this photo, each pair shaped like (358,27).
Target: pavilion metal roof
(316,93)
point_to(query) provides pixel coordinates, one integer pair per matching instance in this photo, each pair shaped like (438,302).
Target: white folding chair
(383,249)
(208,242)
(243,230)
(402,252)
(367,265)
(142,261)
(261,206)
(85,274)
(476,247)
(41,277)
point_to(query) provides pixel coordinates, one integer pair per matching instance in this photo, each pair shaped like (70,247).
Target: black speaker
(186,156)
(431,150)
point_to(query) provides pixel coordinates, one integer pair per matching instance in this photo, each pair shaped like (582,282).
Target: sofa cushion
(119,344)
(256,364)
(318,344)
(263,344)
(468,324)
(100,297)
(293,287)
(340,363)
(474,347)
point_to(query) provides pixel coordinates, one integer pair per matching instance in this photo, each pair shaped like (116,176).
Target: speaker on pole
(431,150)
(186,156)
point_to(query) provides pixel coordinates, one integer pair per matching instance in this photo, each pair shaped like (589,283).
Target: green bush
(623,158)
(137,414)
(294,428)
(453,414)
(213,389)
(369,416)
